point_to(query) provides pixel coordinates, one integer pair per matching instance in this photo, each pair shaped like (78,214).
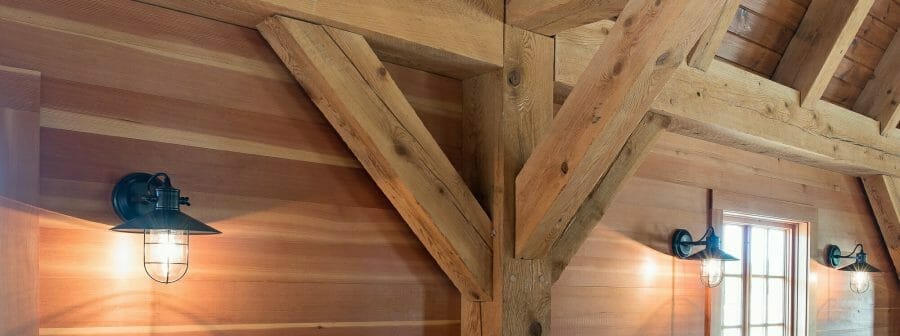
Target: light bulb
(711,272)
(859,282)
(166,254)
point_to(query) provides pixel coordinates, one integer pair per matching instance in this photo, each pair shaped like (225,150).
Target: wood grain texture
(708,44)
(456,38)
(19,260)
(731,106)
(604,107)
(881,97)
(20,98)
(822,40)
(884,197)
(627,258)
(626,163)
(305,244)
(551,17)
(352,88)
(507,113)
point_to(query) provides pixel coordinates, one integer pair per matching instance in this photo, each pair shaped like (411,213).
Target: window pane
(731,332)
(732,305)
(776,252)
(758,301)
(776,331)
(776,301)
(758,331)
(733,244)
(758,247)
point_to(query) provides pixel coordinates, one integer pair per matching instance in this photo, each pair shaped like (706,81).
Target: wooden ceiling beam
(455,38)
(813,55)
(344,78)
(708,44)
(732,107)
(884,197)
(881,97)
(549,17)
(604,108)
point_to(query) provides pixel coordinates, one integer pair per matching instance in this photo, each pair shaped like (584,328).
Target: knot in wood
(535,329)
(514,78)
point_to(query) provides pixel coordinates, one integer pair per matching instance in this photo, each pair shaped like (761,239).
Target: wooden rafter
(732,107)
(708,44)
(820,43)
(549,17)
(605,107)
(881,97)
(884,197)
(455,38)
(345,79)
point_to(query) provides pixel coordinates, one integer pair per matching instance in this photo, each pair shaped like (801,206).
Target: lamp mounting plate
(128,196)
(680,246)
(833,255)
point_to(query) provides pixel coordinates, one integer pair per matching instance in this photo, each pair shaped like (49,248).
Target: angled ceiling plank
(650,40)
(881,97)
(732,107)
(820,43)
(549,17)
(884,197)
(345,79)
(454,38)
(708,44)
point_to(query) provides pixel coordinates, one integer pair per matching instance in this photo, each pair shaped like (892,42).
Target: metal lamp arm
(852,254)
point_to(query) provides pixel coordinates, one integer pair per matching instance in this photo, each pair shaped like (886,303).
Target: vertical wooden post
(506,114)
(19,168)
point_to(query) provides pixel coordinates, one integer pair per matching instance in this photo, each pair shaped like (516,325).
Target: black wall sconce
(712,258)
(150,205)
(860,281)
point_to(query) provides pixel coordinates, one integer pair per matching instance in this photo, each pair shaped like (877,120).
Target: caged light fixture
(151,206)
(712,258)
(860,280)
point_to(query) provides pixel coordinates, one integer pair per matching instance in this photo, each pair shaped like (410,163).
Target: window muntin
(755,294)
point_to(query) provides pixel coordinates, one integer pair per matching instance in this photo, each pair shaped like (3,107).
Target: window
(755,298)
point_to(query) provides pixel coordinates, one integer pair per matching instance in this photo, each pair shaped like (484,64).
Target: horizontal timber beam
(733,107)
(344,78)
(455,38)
(549,17)
(605,107)
(884,197)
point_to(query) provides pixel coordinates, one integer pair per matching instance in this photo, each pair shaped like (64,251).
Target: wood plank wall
(20,96)
(310,246)
(624,281)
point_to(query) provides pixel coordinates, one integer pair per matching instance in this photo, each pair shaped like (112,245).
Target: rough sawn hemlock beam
(884,197)
(735,108)
(345,79)
(641,53)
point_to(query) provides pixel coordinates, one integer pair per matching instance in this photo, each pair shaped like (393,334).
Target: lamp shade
(713,250)
(860,265)
(162,219)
